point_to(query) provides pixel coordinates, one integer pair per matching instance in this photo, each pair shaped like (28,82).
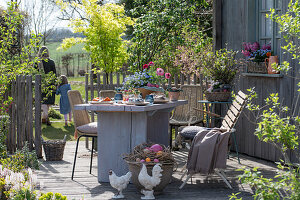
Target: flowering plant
(256,53)
(150,77)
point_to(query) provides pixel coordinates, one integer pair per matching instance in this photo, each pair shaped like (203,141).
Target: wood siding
(238,27)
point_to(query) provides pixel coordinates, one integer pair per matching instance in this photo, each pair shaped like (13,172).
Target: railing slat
(38,129)
(181,79)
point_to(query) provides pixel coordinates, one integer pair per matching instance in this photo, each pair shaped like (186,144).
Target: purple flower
(247,46)
(255,46)
(266,47)
(246,53)
(167,75)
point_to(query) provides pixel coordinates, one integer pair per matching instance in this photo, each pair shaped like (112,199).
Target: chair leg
(75,156)
(91,164)
(223,176)
(236,147)
(186,180)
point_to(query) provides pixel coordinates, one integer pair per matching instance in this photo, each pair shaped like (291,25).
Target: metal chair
(83,125)
(228,123)
(185,115)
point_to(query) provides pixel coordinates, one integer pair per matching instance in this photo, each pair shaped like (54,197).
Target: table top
(128,108)
(205,101)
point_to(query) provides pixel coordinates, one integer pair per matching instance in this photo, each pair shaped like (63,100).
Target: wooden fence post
(29,119)
(38,128)
(86,101)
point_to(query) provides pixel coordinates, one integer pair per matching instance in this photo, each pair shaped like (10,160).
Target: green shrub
(22,159)
(50,196)
(54,114)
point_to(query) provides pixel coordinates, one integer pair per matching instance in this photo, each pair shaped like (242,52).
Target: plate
(161,100)
(137,103)
(101,102)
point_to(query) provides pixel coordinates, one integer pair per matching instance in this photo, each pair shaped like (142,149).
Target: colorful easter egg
(156,148)
(148,160)
(142,161)
(159,153)
(156,160)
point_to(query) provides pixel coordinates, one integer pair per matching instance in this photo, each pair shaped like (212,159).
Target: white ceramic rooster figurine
(149,182)
(119,183)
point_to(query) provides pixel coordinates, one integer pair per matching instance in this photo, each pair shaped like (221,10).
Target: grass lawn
(58,130)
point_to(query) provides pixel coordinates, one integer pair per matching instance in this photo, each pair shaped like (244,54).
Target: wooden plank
(124,76)
(181,79)
(239,100)
(23,111)
(19,120)
(195,79)
(176,80)
(98,83)
(242,95)
(38,127)
(30,112)
(118,79)
(236,105)
(189,79)
(111,80)
(86,88)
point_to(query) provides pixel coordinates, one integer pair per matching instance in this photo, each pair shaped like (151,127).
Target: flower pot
(174,96)
(135,168)
(254,67)
(217,96)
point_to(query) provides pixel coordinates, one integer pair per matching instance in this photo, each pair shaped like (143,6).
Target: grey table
(122,127)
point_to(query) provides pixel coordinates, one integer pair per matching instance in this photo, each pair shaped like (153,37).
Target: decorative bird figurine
(119,183)
(149,182)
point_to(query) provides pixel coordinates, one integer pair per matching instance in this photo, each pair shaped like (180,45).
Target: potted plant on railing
(221,68)
(174,93)
(259,59)
(147,81)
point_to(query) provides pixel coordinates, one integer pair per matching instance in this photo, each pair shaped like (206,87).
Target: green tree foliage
(103,28)
(159,29)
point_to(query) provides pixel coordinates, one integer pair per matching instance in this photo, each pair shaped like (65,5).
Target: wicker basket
(217,96)
(254,67)
(54,149)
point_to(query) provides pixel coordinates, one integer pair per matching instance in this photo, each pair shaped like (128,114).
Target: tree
(41,18)
(103,28)
(159,29)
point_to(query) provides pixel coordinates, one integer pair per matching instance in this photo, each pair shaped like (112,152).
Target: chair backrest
(81,117)
(234,111)
(107,93)
(192,93)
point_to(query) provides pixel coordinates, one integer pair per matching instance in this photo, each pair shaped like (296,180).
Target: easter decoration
(149,182)
(119,183)
(149,155)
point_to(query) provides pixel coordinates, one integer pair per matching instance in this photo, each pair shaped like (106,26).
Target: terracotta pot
(174,96)
(270,61)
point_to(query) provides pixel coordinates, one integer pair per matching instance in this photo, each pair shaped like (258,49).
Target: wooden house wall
(238,26)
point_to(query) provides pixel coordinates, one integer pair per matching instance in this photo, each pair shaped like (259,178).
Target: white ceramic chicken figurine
(119,183)
(149,182)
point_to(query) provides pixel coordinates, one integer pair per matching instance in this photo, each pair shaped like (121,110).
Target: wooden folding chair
(228,123)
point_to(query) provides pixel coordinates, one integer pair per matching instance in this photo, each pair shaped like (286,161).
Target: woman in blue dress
(64,104)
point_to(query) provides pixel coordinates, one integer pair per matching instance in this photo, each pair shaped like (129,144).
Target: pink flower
(246,53)
(145,66)
(167,75)
(157,86)
(150,63)
(246,46)
(255,46)
(266,47)
(160,72)
(149,85)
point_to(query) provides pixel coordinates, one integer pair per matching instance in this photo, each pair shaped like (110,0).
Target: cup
(149,98)
(118,97)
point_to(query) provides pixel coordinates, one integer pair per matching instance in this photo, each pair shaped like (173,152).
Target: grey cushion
(189,132)
(88,128)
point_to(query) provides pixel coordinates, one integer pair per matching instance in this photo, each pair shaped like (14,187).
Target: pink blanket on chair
(208,151)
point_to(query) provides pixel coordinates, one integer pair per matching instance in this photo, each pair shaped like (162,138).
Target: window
(268,31)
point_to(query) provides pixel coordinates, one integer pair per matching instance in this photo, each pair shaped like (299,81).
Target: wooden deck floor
(56,177)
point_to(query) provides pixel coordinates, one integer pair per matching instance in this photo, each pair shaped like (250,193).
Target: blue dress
(64,104)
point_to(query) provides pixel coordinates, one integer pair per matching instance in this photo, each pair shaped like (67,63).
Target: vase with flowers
(221,69)
(147,81)
(257,57)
